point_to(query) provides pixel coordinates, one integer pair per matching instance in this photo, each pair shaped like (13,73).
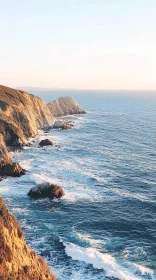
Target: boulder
(63,124)
(46,142)
(11,169)
(46,190)
(58,124)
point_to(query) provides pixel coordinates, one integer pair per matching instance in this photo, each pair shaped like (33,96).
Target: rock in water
(46,142)
(46,190)
(17,260)
(64,124)
(65,106)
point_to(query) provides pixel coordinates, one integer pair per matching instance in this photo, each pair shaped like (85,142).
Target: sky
(81,44)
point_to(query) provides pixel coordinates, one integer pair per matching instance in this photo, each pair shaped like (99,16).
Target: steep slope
(65,106)
(21,115)
(17,260)
(4,154)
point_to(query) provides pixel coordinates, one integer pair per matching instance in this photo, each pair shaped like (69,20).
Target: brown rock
(46,190)
(46,142)
(11,169)
(65,106)
(21,115)
(17,260)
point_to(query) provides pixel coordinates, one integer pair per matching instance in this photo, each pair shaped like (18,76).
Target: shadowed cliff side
(4,154)
(17,260)
(21,115)
(65,106)
(7,167)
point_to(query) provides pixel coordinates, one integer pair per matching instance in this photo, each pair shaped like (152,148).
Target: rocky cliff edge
(17,260)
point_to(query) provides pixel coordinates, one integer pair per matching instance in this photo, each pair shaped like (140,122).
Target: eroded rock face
(11,169)
(46,190)
(65,106)
(21,115)
(17,260)
(46,142)
(4,154)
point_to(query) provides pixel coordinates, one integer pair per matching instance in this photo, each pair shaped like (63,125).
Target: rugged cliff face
(17,260)
(21,115)
(65,106)
(4,154)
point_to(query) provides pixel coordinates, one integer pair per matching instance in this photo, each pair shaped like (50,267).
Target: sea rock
(17,260)
(46,190)
(11,169)
(65,106)
(46,142)
(63,124)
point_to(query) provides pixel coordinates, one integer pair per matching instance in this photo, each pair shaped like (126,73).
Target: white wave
(128,194)
(102,261)
(43,178)
(92,242)
(141,269)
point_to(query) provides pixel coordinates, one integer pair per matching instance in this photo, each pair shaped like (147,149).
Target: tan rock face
(17,260)
(4,154)
(21,115)
(65,106)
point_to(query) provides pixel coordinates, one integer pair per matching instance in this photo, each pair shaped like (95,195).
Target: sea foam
(106,262)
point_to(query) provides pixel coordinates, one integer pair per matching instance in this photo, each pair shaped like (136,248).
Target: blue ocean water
(105,226)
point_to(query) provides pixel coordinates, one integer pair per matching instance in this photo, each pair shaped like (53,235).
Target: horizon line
(80,89)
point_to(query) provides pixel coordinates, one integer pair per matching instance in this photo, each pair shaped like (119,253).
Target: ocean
(105,226)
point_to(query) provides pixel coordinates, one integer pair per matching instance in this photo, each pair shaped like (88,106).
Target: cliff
(65,106)
(17,260)
(21,115)
(4,154)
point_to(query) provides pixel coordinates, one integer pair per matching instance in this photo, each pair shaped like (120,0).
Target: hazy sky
(101,44)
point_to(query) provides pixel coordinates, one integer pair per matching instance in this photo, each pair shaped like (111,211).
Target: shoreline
(27,114)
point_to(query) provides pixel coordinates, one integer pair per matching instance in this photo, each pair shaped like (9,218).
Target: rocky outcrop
(46,142)
(11,169)
(17,260)
(7,167)
(65,106)
(63,124)
(4,154)
(46,190)
(21,115)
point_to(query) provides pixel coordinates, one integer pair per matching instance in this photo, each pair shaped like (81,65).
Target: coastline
(17,131)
